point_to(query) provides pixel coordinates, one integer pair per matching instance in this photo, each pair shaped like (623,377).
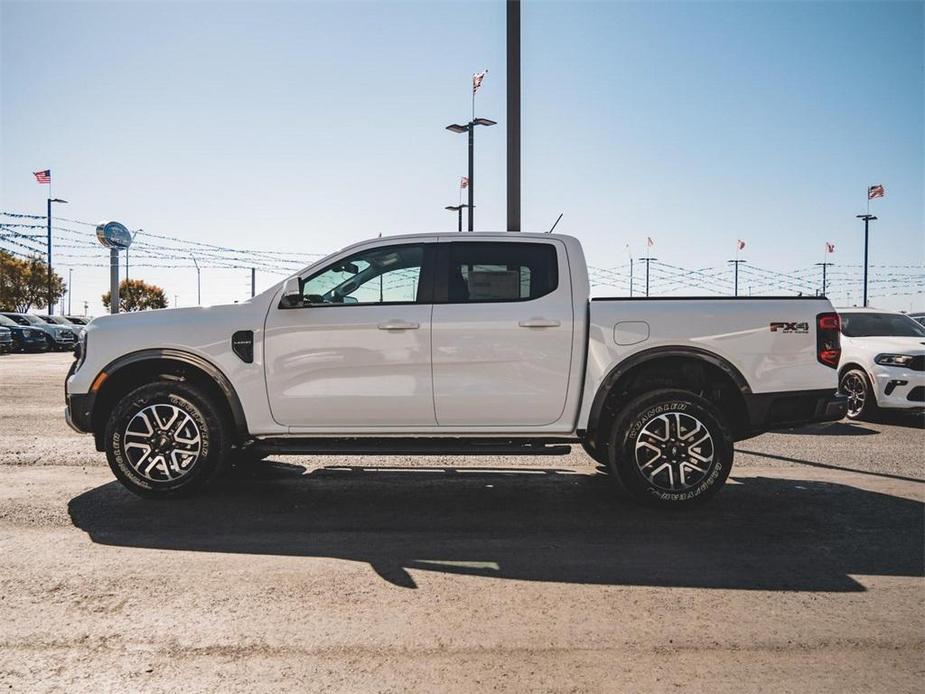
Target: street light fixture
(458,209)
(51,310)
(470,128)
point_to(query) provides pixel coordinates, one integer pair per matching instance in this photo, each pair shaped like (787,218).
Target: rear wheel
(862,404)
(165,439)
(671,448)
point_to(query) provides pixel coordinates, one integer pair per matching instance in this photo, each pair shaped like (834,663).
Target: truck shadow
(530,524)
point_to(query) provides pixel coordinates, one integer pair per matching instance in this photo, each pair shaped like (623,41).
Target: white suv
(882,363)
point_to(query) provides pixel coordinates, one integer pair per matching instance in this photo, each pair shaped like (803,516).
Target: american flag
(477,80)
(649,241)
(829,247)
(875,192)
(464,182)
(43,176)
(740,244)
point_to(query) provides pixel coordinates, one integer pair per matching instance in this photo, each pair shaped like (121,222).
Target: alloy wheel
(855,388)
(674,451)
(162,442)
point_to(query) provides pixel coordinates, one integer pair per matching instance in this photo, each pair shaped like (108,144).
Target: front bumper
(898,388)
(768,411)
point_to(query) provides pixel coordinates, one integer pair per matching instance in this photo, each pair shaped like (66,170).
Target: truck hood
(887,344)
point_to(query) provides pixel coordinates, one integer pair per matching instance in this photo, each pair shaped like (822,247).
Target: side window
(390,274)
(484,272)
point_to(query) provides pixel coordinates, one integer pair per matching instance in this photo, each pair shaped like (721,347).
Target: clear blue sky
(307,126)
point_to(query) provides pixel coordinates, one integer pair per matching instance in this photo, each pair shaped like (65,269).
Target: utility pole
(70,274)
(513,115)
(253,281)
(824,266)
(867,219)
(736,263)
(646,260)
(198,283)
(631,276)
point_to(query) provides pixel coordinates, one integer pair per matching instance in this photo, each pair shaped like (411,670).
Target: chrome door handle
(398,325)
(539,323)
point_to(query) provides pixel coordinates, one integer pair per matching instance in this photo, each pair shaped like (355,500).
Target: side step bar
(412,446)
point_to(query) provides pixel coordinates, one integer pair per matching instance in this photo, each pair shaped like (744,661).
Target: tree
(138,295)
(24,283)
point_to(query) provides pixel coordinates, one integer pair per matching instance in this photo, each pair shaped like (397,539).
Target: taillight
(828,339)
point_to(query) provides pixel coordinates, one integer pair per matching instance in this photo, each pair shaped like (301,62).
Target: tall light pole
(824,265)
(513,115)
(458,209)
(736,263)
(867,219)
(70,274)
(198,283)
(647,260)
(470,128)
(51,308)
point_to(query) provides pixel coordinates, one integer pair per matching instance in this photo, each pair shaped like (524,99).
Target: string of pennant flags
(22,235)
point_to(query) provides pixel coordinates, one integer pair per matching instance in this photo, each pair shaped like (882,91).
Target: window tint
(390,274)
(480,272)
(879,324)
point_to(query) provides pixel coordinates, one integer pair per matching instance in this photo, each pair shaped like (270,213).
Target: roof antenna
(557,221)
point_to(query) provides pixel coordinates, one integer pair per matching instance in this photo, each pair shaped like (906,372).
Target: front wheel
(671,448)
(165,439)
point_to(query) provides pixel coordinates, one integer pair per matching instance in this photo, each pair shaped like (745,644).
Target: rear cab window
(489,272)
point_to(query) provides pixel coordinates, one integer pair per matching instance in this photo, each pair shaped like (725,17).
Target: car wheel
(862,404)
(165,439)
(671,448)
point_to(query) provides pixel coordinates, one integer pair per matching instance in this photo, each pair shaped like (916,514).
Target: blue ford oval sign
(113,235)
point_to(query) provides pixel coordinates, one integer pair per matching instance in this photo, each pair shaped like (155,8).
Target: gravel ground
(454,574)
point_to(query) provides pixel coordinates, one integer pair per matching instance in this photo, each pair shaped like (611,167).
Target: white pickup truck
(482,343)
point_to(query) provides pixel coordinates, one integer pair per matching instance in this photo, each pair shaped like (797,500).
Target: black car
(25,339)
(6,340)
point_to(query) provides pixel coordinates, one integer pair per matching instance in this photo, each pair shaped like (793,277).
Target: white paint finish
(738,330)
(330,366)
(202,331)
(630,332)
(507,363)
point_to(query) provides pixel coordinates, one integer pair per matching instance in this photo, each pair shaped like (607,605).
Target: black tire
(862,403)
(689,466)
(184,467)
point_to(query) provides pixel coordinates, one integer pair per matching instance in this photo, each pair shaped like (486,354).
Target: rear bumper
(768,411)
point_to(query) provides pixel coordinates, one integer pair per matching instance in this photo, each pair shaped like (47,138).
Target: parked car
(61,320)
(6,340)
(59,337)
(79,320)
(482,343)
(883,361)
(25,339)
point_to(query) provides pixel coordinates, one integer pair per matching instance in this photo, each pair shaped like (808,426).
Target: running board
(411,446)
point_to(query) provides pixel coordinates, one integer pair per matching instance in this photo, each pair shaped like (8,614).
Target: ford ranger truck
(480,343)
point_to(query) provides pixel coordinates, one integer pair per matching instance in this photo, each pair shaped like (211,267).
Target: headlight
(894,359)
(80,350)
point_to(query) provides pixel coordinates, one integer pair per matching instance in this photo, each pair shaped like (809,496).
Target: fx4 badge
(789,328)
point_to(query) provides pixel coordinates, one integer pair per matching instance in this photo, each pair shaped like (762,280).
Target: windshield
(35,320)
(77,321)
(58,320)
(6,321)
(880,325)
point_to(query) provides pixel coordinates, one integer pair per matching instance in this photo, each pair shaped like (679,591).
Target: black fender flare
(652,354)
(183,357)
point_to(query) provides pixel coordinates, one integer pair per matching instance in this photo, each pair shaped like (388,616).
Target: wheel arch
(137,368)
(690,363)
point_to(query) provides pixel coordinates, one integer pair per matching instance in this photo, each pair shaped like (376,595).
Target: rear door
(502,333)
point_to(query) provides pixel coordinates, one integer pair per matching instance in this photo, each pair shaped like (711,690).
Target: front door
(502,333)
(356,353)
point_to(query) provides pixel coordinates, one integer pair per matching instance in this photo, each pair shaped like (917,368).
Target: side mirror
(292,294)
